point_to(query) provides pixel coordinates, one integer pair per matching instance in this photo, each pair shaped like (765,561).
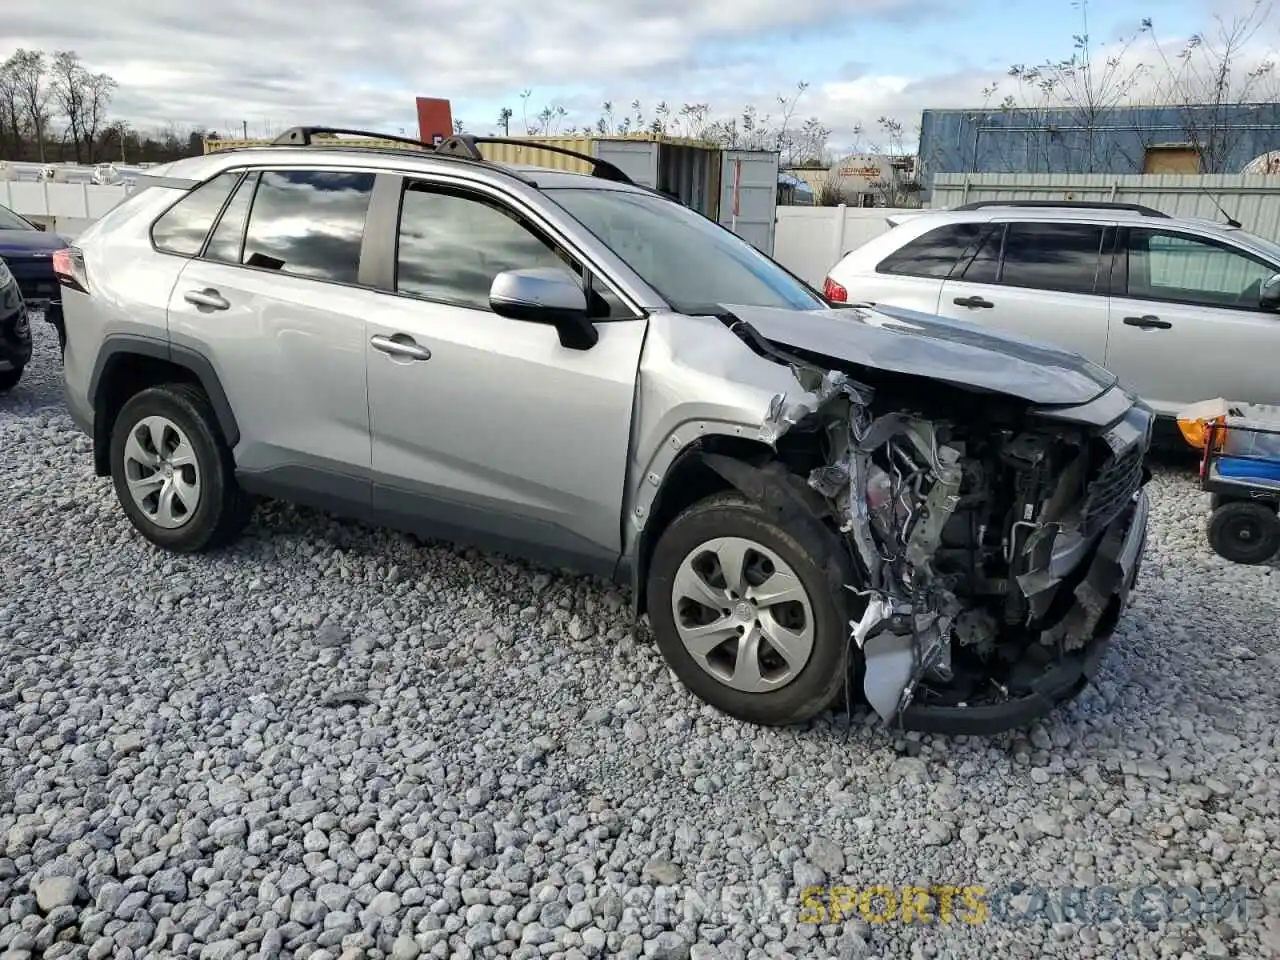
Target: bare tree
(1068,102)
(11,119)
(1209,84)
(100,89)
(70,82)
(31,82)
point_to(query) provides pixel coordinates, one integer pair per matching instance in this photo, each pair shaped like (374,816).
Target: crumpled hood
(17,243)
(919,344)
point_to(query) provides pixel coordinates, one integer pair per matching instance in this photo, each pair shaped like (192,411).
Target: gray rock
(170,884)
(662,872)
(667,946)
(54,892)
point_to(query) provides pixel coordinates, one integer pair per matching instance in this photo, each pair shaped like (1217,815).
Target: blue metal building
(1192,139)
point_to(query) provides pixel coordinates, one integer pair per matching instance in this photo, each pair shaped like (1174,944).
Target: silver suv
(1182,310)
(579,370)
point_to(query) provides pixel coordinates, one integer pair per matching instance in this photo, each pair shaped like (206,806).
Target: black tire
(1245,531)
(9,378)
(822,567)
(222,509)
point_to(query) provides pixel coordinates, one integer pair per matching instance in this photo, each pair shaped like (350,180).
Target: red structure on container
(435,119)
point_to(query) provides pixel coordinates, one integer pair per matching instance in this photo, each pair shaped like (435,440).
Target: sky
(221,64)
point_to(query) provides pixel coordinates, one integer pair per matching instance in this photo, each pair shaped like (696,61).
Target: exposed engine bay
(995,548)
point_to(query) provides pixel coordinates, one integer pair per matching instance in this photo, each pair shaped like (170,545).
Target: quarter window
(184,226)
(1052,256)
(309,223)
(452,245)
(1185,269)
(934,254)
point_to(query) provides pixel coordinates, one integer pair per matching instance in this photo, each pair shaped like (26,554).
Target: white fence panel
(810,240)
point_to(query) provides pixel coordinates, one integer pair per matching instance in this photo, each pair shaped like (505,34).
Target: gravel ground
(332,741)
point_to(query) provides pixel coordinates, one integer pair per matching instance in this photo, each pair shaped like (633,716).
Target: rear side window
(184,226)
(985,265)
(309,223)
(227,242)
(933,254)
(1052,256)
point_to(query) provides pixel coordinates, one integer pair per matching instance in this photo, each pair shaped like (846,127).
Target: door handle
(1148,322)
(401,345)
(973,303)
(208,297)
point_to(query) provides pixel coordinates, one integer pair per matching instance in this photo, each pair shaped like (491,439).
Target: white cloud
(216,64)
(332,61)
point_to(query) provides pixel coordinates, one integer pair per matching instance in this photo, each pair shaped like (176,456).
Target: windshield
(11,221)
(688,259)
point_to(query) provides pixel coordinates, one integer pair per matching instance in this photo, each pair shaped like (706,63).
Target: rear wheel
(173,473)
(9,378)
(1245,531)
(744,611)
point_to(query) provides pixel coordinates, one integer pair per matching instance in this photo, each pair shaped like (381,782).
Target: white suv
(1181,310)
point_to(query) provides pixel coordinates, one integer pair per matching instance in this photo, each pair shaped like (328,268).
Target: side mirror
(546,295)
(1269,293)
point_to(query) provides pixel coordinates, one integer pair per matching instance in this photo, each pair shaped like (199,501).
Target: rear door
(273,299)
(1186,325)
(1039,280)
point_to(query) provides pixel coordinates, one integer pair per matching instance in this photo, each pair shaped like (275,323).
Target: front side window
(1184,269)
(693,263)
(933,254)
(452,245)
(1064,257)
(308,223)
(183,227)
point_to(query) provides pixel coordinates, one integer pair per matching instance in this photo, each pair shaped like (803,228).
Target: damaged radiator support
(895,515)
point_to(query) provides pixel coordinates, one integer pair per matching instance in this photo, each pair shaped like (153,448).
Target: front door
(1188,326)
(484,428)
(1042,281)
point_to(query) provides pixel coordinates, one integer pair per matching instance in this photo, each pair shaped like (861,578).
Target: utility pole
(244,129)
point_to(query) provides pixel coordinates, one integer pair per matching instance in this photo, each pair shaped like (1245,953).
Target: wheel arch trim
(120,346)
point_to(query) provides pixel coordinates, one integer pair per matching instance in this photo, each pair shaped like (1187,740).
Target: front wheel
(173,473)
(746,613)
(9,378)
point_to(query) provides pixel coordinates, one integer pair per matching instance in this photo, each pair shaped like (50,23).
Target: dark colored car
(15,331)
(29,250)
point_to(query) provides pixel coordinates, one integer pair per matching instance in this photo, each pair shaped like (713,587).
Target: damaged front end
(997,544)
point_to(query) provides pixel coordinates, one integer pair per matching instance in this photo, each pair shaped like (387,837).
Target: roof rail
(459,145)
(1068,204)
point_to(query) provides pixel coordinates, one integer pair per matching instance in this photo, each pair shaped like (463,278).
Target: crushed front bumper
(1115,562)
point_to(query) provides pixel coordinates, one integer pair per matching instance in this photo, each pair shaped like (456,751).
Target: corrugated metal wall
(1254,201)
(998,140)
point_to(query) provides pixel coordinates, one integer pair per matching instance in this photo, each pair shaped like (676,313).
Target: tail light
(68,266)
(834,292)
